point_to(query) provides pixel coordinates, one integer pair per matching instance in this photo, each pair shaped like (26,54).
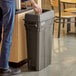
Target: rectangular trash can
(39,30)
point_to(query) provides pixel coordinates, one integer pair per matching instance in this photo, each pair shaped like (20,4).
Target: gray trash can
(39,30)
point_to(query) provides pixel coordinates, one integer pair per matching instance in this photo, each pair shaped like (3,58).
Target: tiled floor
(63,58)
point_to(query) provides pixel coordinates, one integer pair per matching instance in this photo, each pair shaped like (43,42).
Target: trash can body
(39,30)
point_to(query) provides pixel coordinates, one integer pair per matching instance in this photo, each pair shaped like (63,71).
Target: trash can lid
(45,15)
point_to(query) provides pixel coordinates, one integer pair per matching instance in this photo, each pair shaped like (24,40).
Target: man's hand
(36,8)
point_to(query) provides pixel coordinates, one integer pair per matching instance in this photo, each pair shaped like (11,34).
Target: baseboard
(19,64)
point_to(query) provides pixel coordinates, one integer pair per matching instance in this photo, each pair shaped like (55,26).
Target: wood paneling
(19,45)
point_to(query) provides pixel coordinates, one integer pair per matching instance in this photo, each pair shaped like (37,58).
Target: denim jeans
(8,11)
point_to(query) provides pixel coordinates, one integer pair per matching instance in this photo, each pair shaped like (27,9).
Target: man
(7,8)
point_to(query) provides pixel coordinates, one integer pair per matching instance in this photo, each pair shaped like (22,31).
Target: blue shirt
(7,0)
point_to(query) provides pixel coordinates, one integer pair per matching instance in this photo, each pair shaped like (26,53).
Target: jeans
(8,11)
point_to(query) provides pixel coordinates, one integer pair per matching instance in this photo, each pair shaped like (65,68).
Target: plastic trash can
(39,30)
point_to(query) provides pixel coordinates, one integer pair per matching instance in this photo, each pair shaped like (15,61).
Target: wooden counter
(19,46)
